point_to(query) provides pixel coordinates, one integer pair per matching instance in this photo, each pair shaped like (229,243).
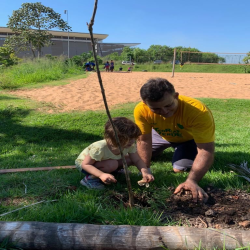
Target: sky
(210,26)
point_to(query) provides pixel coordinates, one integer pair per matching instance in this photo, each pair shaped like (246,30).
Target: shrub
(7,56)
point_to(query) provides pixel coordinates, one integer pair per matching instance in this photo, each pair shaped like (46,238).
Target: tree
(114,56)
(30,25)
(156,52)
(127,53)
(140,55)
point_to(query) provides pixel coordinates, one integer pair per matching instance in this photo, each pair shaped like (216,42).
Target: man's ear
(176,95)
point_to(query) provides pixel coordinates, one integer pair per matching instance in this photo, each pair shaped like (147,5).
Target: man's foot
(177,170)
(92,183)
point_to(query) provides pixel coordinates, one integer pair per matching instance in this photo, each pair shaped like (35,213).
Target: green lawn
(196,68)
(34,72)
(33,138)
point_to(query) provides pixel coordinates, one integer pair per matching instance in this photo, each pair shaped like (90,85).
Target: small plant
(242,169)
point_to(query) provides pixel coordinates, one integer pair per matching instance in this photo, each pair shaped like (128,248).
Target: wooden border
(74,236)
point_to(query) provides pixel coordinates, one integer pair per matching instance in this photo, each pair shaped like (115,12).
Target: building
(74,42)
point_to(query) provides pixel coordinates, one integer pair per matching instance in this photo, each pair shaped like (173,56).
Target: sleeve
(140,119)
(132,149)
(96,153)
(203,128)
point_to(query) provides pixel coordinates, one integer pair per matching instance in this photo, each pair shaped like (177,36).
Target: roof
(125,44)
(63,33)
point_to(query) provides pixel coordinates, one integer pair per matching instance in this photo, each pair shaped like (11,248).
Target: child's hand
(107,178)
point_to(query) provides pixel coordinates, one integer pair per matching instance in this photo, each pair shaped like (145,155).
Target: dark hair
(155,88)
(125,128)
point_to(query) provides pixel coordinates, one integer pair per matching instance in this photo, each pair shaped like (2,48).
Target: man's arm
(201,165)
(144,148)
(202,162)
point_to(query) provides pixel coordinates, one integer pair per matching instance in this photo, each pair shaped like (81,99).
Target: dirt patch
(224,209)
(85,94)
(16,201)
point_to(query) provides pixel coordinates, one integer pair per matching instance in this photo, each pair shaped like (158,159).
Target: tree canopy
(30,25)
(165,53)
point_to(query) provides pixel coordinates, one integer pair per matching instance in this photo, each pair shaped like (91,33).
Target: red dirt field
(85,94)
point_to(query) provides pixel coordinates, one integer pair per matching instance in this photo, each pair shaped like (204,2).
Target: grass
(32,138)
(202,68)
(30,72)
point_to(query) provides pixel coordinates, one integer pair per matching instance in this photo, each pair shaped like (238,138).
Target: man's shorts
(184,153)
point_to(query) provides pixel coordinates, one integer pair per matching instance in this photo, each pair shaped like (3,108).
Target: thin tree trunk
(90,28)
(53,236)
(33,52)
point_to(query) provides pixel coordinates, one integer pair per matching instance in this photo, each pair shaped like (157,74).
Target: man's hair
(125,128)
(155,88)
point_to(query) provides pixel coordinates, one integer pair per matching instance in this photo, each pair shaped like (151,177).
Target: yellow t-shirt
(99,151)
(192,120)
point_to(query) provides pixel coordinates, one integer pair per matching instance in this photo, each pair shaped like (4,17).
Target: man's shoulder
(141,106)
(190,102)
(188,99)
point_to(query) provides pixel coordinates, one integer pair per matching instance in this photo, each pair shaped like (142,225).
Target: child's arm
(88,166)
(139,163)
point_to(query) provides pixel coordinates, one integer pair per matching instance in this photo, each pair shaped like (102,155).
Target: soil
(224,209)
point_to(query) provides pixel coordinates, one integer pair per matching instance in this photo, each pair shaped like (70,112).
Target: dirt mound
(224,209)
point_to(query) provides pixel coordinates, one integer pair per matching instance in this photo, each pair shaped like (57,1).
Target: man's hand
(147,177)
(107,178)
(197,192)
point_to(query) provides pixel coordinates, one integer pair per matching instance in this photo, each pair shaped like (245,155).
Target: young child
(103,157)
(107,65)
(112,66)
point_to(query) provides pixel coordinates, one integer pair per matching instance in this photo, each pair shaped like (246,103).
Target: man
(168,119)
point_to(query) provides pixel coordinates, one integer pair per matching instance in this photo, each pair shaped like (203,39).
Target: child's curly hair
(126,130)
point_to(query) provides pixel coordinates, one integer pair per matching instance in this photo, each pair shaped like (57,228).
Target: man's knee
(182,165)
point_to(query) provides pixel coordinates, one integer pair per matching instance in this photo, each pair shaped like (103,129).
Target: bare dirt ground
(85,94)
(223,209)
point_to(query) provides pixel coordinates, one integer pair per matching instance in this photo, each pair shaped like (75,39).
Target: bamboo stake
(15,170)
(90,28)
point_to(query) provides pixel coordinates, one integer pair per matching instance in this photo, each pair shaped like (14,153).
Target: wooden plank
(15,170)
(74,236)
